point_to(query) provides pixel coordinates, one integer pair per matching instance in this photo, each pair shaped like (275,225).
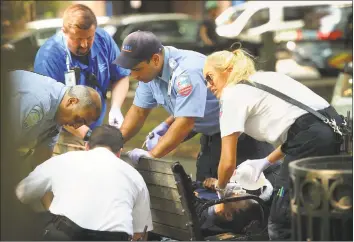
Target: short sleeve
(142,212)
(191,95)
(233,111)
(144,97)
(46,65)
(116,72)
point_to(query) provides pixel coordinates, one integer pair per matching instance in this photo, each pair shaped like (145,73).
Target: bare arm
(119,92)
(170,120)
(133,121)
(227,163)
(177,132)
(204,36)
(79,132)
(276,155)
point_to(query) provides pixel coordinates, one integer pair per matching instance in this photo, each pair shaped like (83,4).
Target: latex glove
(259,165)
(115,117)
(151,140)
(161,129)
(228,191)
(135,155)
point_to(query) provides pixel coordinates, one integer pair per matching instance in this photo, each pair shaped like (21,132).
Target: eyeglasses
(209,79)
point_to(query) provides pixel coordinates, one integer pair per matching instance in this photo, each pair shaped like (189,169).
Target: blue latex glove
(135,155)
(259,165)
(151,140)
(161,129)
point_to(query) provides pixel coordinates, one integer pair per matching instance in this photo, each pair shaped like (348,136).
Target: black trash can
(321,190)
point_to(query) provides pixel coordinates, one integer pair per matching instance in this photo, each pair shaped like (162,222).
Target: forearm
(227,163)
(79,132)
(276,155)
(119,92)
(177,132)
(170,120)
(133,121)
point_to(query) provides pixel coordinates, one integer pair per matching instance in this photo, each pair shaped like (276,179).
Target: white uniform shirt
(262,115)
(94,188)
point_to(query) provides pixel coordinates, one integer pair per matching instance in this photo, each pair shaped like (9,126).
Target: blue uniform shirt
(36,99)
(51,61)
(188,95)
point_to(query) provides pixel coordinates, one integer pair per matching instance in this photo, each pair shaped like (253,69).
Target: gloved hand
(153,138)
(135,155)
(115,117)
(259,166)
(161,129)
(229,190)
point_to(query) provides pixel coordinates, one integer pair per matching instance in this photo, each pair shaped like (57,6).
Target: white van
(249,20)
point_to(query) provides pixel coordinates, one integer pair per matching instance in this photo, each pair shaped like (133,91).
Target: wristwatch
(220,191)
(88,135)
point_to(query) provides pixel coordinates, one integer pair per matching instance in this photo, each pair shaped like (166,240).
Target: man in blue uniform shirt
(174,79)
(82,54)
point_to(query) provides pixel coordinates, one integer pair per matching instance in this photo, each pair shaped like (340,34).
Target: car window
(45,34)
(319,16)
(258,18)
(183,30)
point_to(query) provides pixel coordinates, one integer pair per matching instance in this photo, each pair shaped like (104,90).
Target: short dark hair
(106,135)
(79,16)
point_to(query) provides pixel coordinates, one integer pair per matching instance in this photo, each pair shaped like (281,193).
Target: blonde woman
(265,117)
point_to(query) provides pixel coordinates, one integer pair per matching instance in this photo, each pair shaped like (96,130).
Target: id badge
(70,79)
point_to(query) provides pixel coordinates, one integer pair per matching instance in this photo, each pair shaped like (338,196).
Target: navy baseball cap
(137,47)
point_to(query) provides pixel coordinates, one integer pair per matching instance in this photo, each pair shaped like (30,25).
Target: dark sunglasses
(209,79)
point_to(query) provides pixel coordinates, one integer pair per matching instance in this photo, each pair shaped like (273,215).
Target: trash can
(321,192)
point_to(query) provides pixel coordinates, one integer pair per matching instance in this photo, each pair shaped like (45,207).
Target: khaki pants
(68,142)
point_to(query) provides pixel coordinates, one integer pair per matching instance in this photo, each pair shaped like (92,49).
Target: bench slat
(170,219)
(158,179)
(166,205)
(171,232)
(154,165)
(164,192)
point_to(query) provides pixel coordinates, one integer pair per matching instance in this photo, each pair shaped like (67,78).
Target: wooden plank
(164,192)
(166,205)
(172,232)
(155,165)
(159,179)
(170,219)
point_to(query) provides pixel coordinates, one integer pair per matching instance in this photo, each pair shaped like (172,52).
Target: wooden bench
(171,197)
(171,201)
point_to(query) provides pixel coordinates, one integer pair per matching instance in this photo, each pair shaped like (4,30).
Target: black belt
(76,232)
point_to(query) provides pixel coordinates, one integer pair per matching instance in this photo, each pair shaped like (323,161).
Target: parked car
(342,99)
(175,29)
(315,33)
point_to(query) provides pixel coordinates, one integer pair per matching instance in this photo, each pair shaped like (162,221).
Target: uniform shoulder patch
(184,85)
(34,117)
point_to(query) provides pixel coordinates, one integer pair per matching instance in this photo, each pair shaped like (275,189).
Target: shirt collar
(166,67)
(57,102)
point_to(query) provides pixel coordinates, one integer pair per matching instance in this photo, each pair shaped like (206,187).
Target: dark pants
(307,137)
(63,229)
(209,155)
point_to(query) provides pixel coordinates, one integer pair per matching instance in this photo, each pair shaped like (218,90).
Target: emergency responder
(98,196)
(173,78)
(37,108)
(266,117)
(81,53)
(44,106)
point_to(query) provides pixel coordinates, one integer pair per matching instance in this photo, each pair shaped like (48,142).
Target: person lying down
(236,217)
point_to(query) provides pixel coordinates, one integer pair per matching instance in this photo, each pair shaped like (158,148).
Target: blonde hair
(79,16)
(239,60)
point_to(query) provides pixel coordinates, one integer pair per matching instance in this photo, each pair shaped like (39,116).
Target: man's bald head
(81,105)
